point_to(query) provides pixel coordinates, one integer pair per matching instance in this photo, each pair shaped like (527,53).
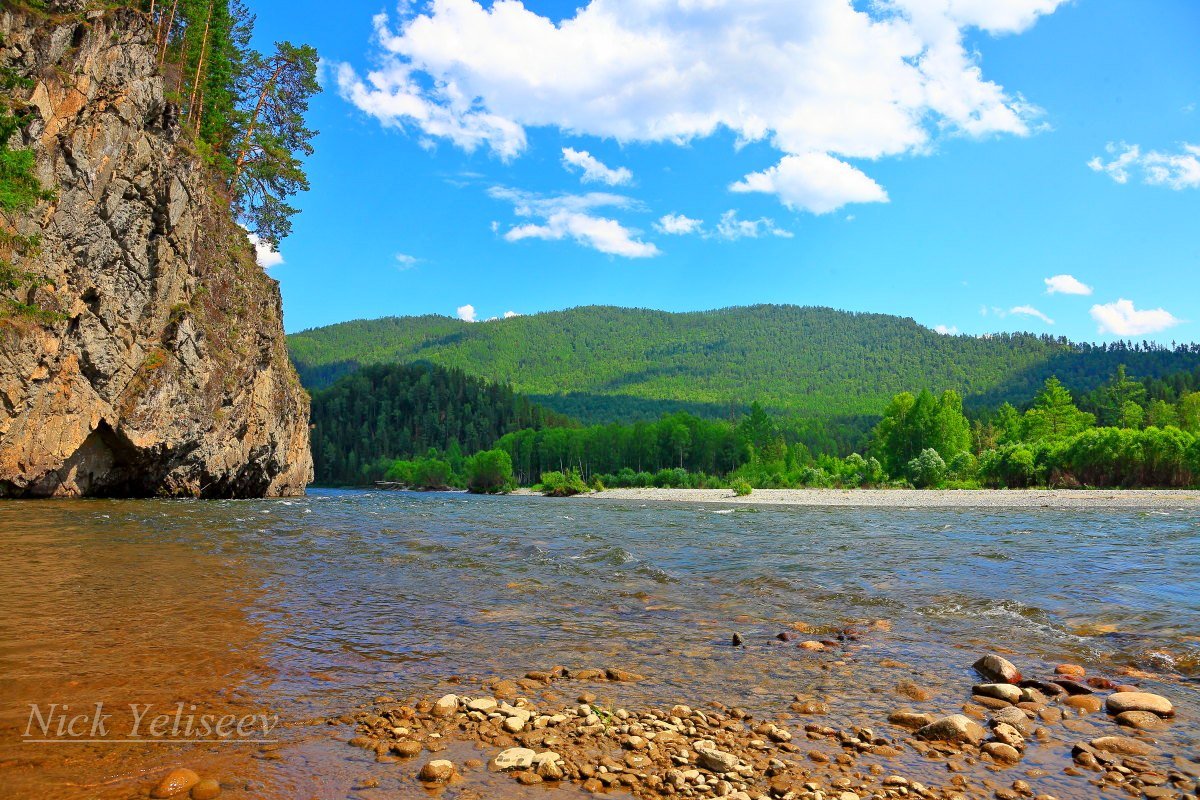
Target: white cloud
(510,314)
(1174,170)
(679,225)
(814,182)
(732,228)
(1030,311)
(466,313)
(405,261)
(946,330)
(820,80)
(570,216)
(1122,319)
(595,171)
(1066,284)
(266,255)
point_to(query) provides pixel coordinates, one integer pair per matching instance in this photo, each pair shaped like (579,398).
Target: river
(306,609)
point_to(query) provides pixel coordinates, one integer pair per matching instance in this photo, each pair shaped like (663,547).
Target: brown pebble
(1087,703)
(1142,720)
(1070,670)
(206,789)
(177,781)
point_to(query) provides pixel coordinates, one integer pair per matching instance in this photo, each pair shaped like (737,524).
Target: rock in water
(446,706)
(177,781)
(954,728)
(439,771)
(514,758)
(1140,701)
(207,789)
(997,670)
(1122,745)
(160,367)
(1142,720)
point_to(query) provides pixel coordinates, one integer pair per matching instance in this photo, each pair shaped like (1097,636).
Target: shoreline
(915,498)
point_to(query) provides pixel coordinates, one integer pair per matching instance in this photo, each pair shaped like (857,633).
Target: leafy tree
(1132,416)
(1054,415)
(1161,414)
(489,472)
(1116,397)
(1189,412)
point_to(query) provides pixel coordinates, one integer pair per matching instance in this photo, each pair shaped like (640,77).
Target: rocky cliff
(145,356)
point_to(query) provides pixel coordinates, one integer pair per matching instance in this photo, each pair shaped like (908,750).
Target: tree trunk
(165,38)
(249,138)
(200,69)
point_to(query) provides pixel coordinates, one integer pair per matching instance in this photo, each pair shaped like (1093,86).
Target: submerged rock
(440,771)
(207,789)
(175,782)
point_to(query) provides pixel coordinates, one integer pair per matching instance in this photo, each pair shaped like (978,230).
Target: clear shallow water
(312,607)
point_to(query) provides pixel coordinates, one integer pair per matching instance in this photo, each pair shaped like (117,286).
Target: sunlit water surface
(310,608)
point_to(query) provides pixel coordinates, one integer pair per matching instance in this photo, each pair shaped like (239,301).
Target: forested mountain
(607,364)
(400,411)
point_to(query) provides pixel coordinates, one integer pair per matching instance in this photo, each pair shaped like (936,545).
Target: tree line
(1132,439)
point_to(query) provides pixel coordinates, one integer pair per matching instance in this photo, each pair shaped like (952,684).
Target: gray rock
(954,728)
(514,758)
(995,669)
(1001,691)
(717,760)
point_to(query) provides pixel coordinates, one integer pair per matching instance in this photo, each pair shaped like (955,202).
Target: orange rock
(1070,670)
(177,781)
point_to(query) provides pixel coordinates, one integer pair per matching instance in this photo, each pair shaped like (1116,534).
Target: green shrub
(927,469)
(489,472)
(556,484)
(741,487)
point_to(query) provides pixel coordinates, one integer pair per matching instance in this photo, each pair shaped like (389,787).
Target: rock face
(160,367)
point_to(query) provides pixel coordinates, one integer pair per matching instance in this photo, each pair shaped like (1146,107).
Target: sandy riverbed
(912,498)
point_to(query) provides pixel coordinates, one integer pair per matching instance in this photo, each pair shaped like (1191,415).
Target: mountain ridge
(803,359)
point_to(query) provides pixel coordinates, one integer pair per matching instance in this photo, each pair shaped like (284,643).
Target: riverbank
(918,498)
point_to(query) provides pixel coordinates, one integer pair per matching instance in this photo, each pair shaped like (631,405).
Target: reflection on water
(309,608)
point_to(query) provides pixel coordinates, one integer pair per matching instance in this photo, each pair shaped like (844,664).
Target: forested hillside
(605,364)
(387,412)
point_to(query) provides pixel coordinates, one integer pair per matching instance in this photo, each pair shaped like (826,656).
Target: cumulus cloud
(1066,284)
(814,182)
(466,313)
(1030,311)
(1176,171)
(594,170)
(678,225)
(1123,319)
(405,261)
(946,330)
(266,255)
(731,228)
(510,314)
(571,217)
(822,81)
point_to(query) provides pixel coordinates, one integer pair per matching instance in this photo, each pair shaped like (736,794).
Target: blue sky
(940,159)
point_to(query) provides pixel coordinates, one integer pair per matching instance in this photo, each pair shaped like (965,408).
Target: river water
(309,608)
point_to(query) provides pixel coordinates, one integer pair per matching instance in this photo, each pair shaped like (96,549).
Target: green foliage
(927,470)
(912,425)
(558,484)
(489,472)
(1011,466)
(623,365)
(1054,415)
(401,411)
(741,487)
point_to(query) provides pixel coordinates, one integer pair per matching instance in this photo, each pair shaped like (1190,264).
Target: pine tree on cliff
(267,168)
